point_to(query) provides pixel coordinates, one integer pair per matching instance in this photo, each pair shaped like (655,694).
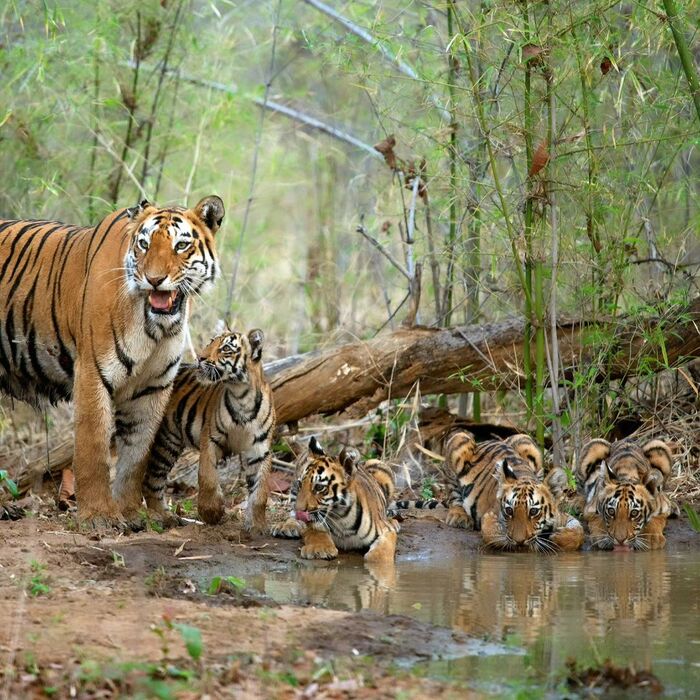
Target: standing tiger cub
(222,406)
(622,484)
(497,487)
(99,315)
(344,506)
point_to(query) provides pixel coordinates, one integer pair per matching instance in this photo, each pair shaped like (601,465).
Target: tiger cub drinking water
(622,484)
(344,506)
(497,487)
(221,406)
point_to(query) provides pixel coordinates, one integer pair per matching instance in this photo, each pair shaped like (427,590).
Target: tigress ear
(557,481)
(256,338)
(349,457)
(606,474)
(210,211)
(315,447)
(134,212)
(505,472)
(651,483)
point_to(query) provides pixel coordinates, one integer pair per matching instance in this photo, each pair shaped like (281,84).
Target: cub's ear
(592,454)
(210,211)
(557,481)
(315,447)
(256,338)
(504,472)
(134,212)
(349,457)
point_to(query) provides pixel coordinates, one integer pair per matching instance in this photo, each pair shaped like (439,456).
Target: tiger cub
(344,506)
(222,406)
(497,487)
(622,484)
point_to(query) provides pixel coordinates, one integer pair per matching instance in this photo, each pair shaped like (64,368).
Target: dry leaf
(605,66)
(386,148)
(540,158)
(533,54)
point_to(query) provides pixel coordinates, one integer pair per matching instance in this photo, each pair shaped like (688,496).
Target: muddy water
(638,608)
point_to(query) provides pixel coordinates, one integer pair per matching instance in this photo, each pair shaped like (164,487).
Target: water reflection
(640,608)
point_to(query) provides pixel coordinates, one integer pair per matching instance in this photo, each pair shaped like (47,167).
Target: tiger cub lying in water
(343,505)
(221,406)
(497,487)
(622,484)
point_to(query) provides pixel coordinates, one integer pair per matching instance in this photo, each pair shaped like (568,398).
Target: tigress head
(231,357)
(622,484)
(323,486)
(527,504)
(171,254)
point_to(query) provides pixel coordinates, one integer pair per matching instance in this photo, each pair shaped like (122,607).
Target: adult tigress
(99,315)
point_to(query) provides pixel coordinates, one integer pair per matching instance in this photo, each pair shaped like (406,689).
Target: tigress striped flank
(221,407)
(343,504)
(99,315)
(497,487)
(622,484)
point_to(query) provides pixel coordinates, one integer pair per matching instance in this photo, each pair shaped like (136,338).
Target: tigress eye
(181,246)
(634,512)
(319,488)
(610,510)
(534,511)
(143,244)
(508,510)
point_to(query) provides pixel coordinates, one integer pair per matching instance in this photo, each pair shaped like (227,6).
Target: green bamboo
(684,54)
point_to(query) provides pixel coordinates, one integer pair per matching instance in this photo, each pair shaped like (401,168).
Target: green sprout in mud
(693,516)
(427,489)
(38,583)
(225,583)
(7,484)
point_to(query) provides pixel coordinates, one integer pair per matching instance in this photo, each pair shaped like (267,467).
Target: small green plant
(693,516)
(225,583)
(8,484)
(38,583)
(155,581)
(187,507)
(427,489)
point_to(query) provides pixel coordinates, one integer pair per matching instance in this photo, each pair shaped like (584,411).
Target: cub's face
(172,254)
(324,485)
(527,509)
(625,509)
(230,357)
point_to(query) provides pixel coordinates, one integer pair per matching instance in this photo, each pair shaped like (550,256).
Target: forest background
(438,163)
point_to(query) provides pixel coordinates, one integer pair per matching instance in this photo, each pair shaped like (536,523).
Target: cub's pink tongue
(303,516)
(160,300)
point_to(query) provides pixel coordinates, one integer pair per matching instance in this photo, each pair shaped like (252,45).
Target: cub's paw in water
(291,529)
(318,545)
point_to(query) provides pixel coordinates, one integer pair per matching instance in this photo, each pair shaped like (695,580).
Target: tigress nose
(155,281)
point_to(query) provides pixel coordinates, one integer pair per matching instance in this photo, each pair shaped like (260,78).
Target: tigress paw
(211,510)
(457,517)
(103,525)
(291,529)
(569,538)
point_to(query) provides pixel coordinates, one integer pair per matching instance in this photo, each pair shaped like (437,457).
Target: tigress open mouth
(165,302)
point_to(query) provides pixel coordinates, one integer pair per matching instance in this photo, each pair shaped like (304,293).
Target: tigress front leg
(491,530)
(318,544)
(210,500)
(599,536)
(457,517)
(256,466)
(91,453)
(140,419)
(654,532)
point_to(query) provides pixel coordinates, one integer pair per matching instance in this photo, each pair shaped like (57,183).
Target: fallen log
(357,377)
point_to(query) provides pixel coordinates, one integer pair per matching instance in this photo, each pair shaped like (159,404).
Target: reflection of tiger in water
(343,504)
(622,484)
(99,315)
(497,487)
(222,406)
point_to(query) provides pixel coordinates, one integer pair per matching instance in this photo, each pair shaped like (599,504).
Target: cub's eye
(634,513)
(143,244)
(534,511)
(182,245)
(319,488)
(610,510)
(508,510)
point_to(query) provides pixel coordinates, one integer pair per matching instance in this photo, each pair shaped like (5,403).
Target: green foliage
(8,485)
(38,584)
(693,516)
(219,583)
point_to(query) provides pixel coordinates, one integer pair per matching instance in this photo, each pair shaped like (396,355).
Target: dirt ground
(132,616)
